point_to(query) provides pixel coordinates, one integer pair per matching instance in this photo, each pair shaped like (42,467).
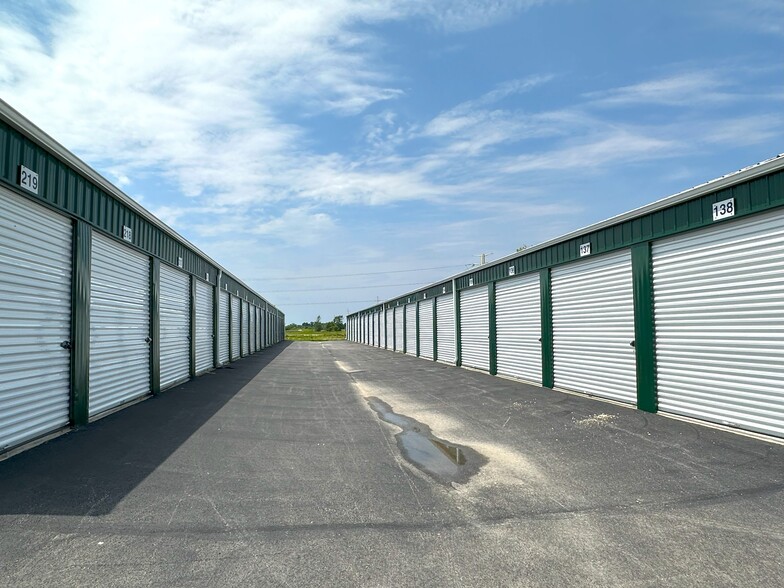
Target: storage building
(676,307)
(102,303)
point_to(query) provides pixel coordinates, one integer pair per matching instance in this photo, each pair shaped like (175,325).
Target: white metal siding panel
(235,327)
(262,330)
(719,312)
(382,323)
(175,294)
(411,329)
(35,317)
(475,328)
(445,328)
(252,328)
(518,328)
(378,319)
(426,329)
(224,328)
(398,328)
(390,328)
(245,328)
(593,327)
(119,325)
(204,326)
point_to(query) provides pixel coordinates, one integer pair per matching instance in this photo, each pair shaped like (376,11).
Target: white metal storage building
(676,307)
(102,304)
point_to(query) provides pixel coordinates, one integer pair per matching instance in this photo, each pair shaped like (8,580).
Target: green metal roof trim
(757,188)
(69,185)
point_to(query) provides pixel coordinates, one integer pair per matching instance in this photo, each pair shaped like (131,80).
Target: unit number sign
(28,179)
(724,209)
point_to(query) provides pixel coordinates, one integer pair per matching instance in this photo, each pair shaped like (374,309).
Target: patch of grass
(312,335)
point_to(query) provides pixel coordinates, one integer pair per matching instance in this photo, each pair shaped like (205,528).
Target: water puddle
(444,461)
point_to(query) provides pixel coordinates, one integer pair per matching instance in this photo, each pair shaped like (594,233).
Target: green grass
(311,335)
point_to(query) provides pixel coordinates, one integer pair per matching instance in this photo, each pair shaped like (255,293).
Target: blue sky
(365,140)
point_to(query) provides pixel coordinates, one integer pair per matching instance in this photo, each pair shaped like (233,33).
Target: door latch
(65,344)
(148,339)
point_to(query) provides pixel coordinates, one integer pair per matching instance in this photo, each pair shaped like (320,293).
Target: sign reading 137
(724,209)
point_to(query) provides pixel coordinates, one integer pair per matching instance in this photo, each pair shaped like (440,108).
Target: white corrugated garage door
(252,328)
(426,329)
(224,327)
(411,329)
(35,318)
(119,325)
(518,328)
(475,328)
(390,334)
(399,328)
(593,327)
(236,321)
(175,296)
(378,319)
(204,326)
(719,313)
(245,328)
(382,324)
(445,328)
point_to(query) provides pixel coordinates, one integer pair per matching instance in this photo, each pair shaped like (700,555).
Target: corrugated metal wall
(119,325)
(426,329)
(175,345)
(390,328)
(475,328)
(518,328)
(204,327)
(35,318)
(245,332)
(411,329)
(224,324)
(719,311)
(236,327)
(399,322)
(445,328)
(593,327)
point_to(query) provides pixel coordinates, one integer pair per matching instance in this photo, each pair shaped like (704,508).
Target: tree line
(336,324)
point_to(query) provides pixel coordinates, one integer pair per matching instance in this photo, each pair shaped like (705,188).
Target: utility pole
(483,257)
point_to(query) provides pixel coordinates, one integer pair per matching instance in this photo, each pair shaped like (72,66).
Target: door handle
(632,343)
(148,339)
(65,344)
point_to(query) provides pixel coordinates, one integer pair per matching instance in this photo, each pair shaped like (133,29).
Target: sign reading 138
(724,209)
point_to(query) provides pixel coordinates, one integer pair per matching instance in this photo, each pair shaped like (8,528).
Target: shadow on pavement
(90,470)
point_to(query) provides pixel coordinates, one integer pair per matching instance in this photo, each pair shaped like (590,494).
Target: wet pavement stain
(444,461)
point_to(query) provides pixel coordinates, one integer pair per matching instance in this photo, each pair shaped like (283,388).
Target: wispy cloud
(677,90)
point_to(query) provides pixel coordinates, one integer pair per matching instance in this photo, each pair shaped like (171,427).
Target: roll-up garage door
(445,328)
(262,329)
(175,326)
(411,329)
(252,328)
(224,327)
(719,314)
(390,328)
(475,328)
(204,326)
(236,321)
(378,317)
(119,325)
(382,323)
(426,329)
(518,328)
(399,328)
(35,318)
(593,327)
(245,328)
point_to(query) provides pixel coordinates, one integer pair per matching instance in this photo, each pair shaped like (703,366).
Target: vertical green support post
(216,324)
(231,329)
(192,332)
(493,342)
(435,329)
(405,328)
(80,323)
(155,325)
(458,337)
(644,342)
(546,306)
(417,328)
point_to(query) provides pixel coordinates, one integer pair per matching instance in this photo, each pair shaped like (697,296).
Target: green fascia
(546,309)
(80,324)
(644,328)
(155,325)
(493,343)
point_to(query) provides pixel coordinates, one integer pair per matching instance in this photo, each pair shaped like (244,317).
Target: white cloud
(677,90)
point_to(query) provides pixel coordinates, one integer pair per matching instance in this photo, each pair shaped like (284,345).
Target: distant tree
(338,322)
(318,326)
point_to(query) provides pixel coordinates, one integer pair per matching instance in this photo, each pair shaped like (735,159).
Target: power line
(421,269)
(323,303)
(343,288)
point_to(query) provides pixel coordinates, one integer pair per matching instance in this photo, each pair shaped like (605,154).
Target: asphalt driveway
(335,464)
